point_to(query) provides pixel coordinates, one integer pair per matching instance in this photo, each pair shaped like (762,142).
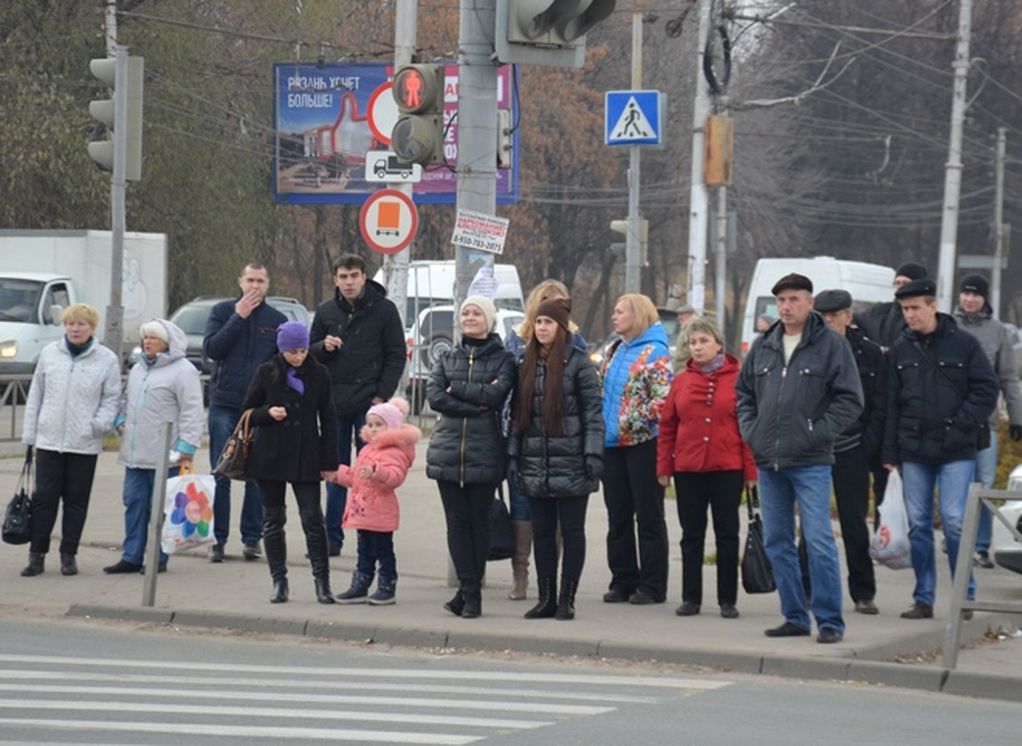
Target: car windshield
(19,299)
(192,319)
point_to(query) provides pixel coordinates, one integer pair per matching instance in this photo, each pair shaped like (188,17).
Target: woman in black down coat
(467,388)
(556,451)
(295,441)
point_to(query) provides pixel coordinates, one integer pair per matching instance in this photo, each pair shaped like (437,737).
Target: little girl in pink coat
(380,468)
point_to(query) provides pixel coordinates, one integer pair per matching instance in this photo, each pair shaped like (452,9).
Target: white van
(868,284)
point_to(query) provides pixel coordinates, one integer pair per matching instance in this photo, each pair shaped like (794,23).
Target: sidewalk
(234,595)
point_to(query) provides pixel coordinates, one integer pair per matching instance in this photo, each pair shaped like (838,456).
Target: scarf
(713,366)
(293,381)
(77,350)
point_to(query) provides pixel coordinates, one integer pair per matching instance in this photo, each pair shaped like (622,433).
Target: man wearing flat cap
(856,446)
(975,316)
(798,390)
(883,322)
(940,393)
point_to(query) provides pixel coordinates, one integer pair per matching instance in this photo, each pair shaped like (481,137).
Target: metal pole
(720,271)
(477,132)
(953,167)
(633,259)
(995,284)
(152,550)
(698,203)
(395,266)
(113,335)
(110,21)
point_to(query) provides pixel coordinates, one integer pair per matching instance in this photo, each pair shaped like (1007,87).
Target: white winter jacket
(165,390)
(73,400)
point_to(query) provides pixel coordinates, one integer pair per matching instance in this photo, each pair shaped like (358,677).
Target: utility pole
(720,270)
(953,167)
(113,332)
(995,285)
(633,248)
(395,266)
(698,202)
(477,132)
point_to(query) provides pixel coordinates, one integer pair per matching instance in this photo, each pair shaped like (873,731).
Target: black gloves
(594,467)
(1015,431)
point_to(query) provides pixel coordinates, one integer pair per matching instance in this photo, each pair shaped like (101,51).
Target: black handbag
(502,537)
(757,574)
(234,456)
(17,527)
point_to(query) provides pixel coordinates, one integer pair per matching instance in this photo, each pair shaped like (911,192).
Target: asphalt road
(76,682)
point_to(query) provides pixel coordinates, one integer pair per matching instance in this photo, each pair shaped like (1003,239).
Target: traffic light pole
(698,202)
(633,249)
(999,247)
(113,335)
(477,133)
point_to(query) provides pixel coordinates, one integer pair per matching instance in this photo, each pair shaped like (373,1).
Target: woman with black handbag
(556,450)
(701,447)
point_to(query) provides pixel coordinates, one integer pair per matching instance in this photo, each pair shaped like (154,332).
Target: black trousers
(275,518)
(851,473)
(570,513)
(467,512)
(633,496)
(721,492)
(66,476)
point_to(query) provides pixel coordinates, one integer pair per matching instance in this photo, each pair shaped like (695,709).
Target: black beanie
(911,270)
(975,284)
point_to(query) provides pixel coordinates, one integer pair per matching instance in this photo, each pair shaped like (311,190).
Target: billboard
(322,135)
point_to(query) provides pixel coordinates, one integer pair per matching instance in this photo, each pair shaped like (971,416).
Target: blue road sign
(633,118)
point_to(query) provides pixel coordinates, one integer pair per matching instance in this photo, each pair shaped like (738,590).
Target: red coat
(372,502)
(699,424)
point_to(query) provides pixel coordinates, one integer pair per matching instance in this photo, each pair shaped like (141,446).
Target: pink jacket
(372,502)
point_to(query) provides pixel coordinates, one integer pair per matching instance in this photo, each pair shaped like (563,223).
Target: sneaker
(616,596)
(787,630)
(867,606)
(251,551)
(687,608)
(918,611)
(982,559)
(216,553)
(121,567)
(829,635)
(642,598)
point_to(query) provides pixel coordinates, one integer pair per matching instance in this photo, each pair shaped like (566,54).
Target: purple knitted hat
(292,335)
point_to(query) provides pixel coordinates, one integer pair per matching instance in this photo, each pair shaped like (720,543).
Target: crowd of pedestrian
(825,402)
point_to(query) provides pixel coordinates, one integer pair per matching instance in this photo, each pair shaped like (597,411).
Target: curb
(851,668)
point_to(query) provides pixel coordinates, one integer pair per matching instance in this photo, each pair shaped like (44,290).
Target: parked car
(1005,551)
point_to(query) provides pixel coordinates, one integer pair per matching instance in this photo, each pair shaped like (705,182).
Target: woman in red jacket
(700,445)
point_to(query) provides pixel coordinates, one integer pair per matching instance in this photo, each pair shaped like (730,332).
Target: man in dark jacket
(856,446)
(798,390)
(941,390)
(883,322)
(359,337)
(241,335)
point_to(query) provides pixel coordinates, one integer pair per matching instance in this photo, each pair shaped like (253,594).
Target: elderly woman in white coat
(72,402)
(162,387)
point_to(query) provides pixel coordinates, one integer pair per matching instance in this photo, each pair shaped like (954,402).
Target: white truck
(43,272)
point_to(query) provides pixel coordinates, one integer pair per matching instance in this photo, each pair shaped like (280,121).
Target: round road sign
(382,112)
(388,221)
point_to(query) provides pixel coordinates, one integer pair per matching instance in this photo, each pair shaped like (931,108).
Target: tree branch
(819,85)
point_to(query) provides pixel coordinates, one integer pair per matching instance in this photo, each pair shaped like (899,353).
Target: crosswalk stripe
(236,731)
(362,686)
(307,698)
(322,671)
(285,712)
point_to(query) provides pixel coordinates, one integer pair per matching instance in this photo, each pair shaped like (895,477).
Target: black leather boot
(35,564)
(68,565)
(319,557)
(456,605)
(473,598)
(547,605)
(566,602)
(276,551)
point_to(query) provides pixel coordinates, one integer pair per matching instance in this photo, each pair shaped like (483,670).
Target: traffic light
(418,136)
(621,226)
(547,32)
(102,151)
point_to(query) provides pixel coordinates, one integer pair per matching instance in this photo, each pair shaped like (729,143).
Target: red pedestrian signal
(418,134)
(419,88)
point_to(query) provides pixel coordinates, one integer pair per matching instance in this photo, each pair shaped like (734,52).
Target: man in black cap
(975,316)
(797,391)
(855,447)
(940,393)
(883,322)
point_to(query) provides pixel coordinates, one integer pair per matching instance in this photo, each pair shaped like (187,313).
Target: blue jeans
(138,503)
(809,488)
(221,424)
(986,472)
(952,480)
(348,426)
(376,547)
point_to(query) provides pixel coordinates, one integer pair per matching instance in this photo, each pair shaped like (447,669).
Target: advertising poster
(322,135)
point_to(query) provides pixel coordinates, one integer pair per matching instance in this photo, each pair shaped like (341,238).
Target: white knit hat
(486,306)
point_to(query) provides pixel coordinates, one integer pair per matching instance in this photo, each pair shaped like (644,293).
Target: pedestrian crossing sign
(633,117)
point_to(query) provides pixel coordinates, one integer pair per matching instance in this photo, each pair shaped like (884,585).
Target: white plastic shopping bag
(188,512)
(890,545)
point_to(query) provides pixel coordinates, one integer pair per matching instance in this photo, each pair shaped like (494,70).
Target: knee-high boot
(520,559)
(276,551)
(315,542)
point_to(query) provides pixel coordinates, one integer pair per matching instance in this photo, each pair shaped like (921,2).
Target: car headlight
(9,348)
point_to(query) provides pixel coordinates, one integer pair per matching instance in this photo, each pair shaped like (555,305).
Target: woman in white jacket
(72,402)
(162,387)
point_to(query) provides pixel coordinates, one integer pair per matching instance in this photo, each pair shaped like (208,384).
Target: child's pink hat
(392,412)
